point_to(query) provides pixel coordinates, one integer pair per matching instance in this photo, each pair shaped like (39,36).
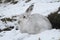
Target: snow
(58,12)
(50,35)
(20,7)
(16,35)
(43,7)
(1,25)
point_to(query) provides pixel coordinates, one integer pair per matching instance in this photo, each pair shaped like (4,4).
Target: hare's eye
(24,17)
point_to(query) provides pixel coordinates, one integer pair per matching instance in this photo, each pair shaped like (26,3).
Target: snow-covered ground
(16,35)
(39,7)
(43,7)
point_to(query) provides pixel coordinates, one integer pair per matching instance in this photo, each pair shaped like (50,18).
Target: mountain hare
(33,23)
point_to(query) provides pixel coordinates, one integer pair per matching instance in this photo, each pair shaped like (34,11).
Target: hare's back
(38,17)
(40,20)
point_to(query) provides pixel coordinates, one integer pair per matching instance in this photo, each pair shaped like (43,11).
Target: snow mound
(53,34)
(50,35)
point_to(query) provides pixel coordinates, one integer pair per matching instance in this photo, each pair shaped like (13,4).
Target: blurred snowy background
(10,9)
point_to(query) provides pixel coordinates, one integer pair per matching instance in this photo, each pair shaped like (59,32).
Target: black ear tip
(32,5)
(24,17)
(30,8)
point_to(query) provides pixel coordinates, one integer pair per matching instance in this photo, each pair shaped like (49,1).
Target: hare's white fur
(34,23)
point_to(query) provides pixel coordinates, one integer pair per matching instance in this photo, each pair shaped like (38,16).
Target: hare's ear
(29,9)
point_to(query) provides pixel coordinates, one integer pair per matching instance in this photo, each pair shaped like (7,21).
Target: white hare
(33,23)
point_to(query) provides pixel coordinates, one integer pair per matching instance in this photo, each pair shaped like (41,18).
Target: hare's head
(26,15)
(23,17)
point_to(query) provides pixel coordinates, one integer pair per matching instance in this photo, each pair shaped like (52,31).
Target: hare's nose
(24,17)
(19,22)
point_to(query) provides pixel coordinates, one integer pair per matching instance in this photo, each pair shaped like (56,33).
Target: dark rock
(7,19)
(7,29)
(6,1)
(27,1)
(55,19)
(0,1)
(14,2)
(0,30)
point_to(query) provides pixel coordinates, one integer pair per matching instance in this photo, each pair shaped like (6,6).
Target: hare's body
(35,23)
